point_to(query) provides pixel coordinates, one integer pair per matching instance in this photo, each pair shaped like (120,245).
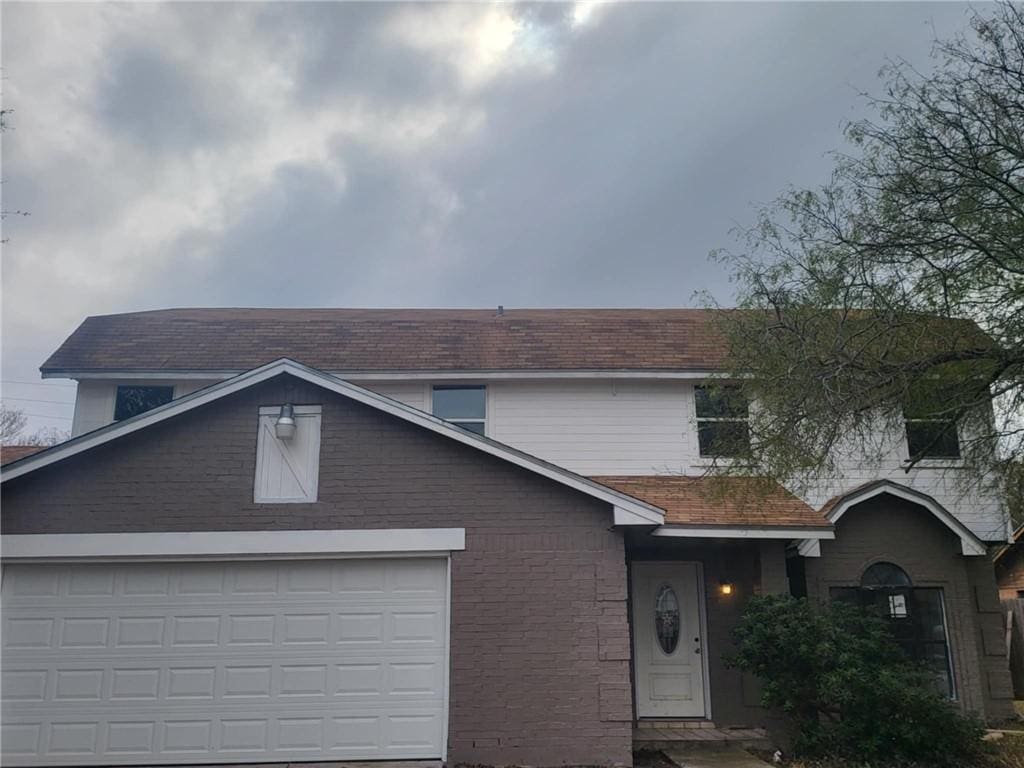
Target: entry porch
(686,595)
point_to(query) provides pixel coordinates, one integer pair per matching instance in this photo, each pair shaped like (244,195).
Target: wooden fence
(1014,612)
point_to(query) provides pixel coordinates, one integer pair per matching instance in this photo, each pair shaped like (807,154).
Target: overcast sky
(339,154)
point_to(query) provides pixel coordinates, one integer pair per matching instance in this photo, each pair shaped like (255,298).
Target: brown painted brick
(897,531)
(528,607)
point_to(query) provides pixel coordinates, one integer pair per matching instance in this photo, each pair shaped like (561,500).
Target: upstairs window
(723,426)
(133,400)
(930,437)
(464,407)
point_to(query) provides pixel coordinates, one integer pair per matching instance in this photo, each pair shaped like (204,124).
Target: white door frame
(703,620)
(236,546)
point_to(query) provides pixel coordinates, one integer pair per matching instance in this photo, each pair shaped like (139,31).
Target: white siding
(597,427)
(413,393)
(648,427)
(94,406)
(94,402)
(621,427)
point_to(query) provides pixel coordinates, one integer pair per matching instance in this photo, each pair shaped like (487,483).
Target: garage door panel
(388,734)
(201,582)
(213,662)
(228,683)
(181,630)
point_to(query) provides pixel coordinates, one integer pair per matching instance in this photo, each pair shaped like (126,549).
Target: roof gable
(627,510)
(838,506)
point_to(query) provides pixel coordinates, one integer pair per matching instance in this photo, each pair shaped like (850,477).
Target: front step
(679,723)
(670,734)
(722,755)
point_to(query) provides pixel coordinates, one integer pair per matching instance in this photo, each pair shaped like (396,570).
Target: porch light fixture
(725,588)
(284,427)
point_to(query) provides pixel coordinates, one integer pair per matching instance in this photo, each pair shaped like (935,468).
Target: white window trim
(463,385)
(234,545)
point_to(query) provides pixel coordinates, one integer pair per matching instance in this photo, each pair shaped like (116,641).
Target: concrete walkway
(714,756)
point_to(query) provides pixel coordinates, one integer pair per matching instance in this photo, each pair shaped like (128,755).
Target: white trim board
(233,544)
(970,544)
(440,376)
(741,532)
(629,510)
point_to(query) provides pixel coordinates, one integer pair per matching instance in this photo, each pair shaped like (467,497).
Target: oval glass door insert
(666,618)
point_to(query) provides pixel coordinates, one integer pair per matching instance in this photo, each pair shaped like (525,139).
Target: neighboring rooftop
(9,453)
(350,340)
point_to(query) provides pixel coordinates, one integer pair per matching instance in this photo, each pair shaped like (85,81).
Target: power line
(36,383)
(47,416)
(31,400)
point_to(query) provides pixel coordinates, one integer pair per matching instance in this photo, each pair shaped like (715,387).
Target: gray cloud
(154,103)
(385,154)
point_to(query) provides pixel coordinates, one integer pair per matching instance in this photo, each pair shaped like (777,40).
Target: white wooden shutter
(288,471)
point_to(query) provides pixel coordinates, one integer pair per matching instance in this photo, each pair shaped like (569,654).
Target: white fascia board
(736,532)
(970,544)
(130,375)
(650,514)
(623,516)
(233,544)
(387,375)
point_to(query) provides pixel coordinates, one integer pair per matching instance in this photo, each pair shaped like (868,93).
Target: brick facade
(540,641)
(897,531)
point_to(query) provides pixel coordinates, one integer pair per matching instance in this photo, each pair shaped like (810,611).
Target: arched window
(884,576)
(916,616)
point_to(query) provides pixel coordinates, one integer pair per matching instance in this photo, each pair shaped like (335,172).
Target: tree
(896,289)
(12,422)
(5,124)
(12,428)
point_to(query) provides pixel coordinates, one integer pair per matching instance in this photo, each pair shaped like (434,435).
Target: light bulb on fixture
(284,427)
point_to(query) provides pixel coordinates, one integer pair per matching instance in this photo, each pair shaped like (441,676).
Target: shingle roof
(719,500)
(395,340)
(9,453)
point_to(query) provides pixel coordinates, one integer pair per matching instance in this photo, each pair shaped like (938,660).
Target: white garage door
(219,662)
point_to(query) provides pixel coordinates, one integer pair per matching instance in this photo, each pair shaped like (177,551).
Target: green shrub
(847,688)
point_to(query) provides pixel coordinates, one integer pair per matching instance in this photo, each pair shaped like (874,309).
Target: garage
(170,662)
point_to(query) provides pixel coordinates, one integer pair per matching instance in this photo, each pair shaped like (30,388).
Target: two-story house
(475,536)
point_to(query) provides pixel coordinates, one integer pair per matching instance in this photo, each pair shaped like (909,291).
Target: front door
(668,640)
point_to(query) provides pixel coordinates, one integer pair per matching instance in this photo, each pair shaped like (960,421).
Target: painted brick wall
(897,531)
(540,651)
